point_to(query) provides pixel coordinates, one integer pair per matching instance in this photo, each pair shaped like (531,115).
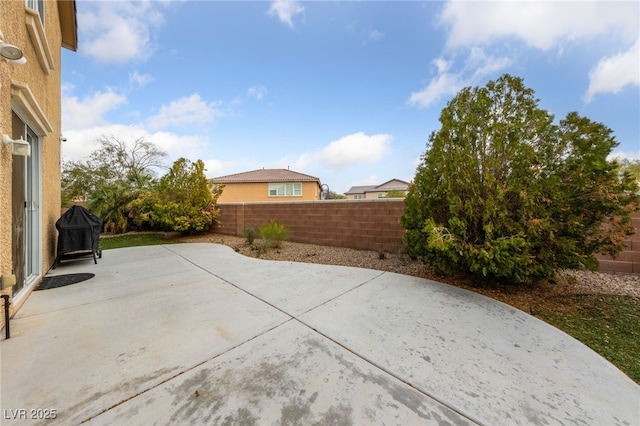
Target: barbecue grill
(78,235)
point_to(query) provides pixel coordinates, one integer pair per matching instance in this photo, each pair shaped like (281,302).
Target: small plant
(403,254)
(251,234)
(274,232)
(263,246)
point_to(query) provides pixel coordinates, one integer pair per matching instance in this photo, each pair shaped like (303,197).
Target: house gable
(270,185)
(393,185)
(376,191)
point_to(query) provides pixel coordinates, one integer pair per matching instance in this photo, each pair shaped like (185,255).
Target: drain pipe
(8,281)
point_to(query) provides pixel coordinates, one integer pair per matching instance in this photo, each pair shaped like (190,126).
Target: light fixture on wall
(10,53)
(19,147)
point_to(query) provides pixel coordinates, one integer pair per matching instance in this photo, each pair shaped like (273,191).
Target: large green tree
(632,167)
(115,162)
(504,193)
(113,176)
(184,200)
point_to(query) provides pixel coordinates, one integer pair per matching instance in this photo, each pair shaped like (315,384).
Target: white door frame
(33,213)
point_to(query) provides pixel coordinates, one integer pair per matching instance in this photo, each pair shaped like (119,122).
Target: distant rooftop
(360,189)
(266,175)
(390,185)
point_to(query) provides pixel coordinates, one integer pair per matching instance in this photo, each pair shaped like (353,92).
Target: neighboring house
(377,191)
(30,109)
(268,185)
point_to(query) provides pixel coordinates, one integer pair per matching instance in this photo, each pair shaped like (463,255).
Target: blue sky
(345,91)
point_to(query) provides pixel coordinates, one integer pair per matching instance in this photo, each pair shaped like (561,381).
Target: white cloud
(374,35)
(88,112)
(615,72)
(356,148)
(187,110)
(417,162)
(482,65)
(624,155)
(350,150)
(139,80)
(187,146)
(285,10)
(81,142)
(540,24)
(215,168)
(371,180)
(442,65)
(118,31)
(477,66)
(445,84)
(258,92)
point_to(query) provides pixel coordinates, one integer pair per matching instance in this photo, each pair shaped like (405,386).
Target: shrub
(250,234)
(113,204)
(263,247)
(274,232)
(183,201)
(505,194)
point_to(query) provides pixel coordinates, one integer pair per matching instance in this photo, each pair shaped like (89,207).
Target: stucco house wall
(254,186)
(30,94)
(259,191)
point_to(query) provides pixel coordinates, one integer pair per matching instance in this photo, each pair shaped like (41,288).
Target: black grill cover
(78,229)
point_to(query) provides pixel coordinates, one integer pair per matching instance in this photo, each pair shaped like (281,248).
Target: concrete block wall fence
(366,225)
(362,224)
(628,261)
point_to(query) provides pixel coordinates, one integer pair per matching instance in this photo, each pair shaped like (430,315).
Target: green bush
(183,201)
(250,234)
(113,203)
(274,232)
(505,194)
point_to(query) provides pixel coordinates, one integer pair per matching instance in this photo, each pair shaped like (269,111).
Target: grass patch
(608,324)
(133,240)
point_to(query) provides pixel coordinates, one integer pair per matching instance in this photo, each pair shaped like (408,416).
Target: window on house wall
(357,196)
(37,5)
(285,189)
(381,194)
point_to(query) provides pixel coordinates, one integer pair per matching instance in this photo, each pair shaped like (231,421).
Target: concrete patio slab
(85,356)
(289,375)
(292,287)
(494,363)
(196,333)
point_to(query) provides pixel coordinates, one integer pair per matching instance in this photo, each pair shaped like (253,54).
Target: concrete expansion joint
(342,294)
(295,342)
(265,301)
(445,403)
(182,372)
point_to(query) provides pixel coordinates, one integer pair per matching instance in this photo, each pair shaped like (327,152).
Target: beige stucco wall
(259,191)
(46,90)
(371,195)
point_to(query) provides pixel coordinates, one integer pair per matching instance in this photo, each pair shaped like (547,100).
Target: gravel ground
(521,297)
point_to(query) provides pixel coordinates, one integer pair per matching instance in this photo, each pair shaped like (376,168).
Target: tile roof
(266,175)
(360,189)
(393,184)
